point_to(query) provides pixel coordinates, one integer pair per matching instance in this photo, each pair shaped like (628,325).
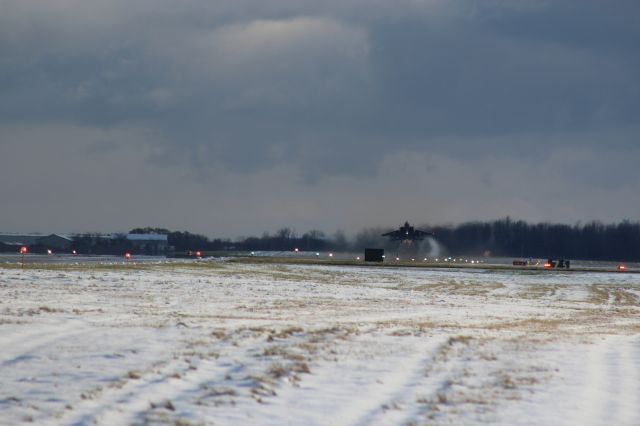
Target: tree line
(502,237)
(505,237)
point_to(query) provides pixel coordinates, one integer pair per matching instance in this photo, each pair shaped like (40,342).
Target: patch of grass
(49,309)
(624,297)
(277,371)
(459,339)
(284,333)
(598,294)
(507,382)
(219,334)
(300,367)
(530,324)
(168,405)
(218,392)
(283,352)
(134,374)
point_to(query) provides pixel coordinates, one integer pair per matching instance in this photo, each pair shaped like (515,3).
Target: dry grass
(459,339)
(278,371)
(538,291)
(530,324)
(282,351)
(602,294)
(134,375)
(287,332)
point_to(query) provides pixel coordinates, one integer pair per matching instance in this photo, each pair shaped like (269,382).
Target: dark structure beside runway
(373,255)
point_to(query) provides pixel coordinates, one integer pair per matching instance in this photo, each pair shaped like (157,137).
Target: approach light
(295,249)
(397,258)
(330,254)
(358,258)
(74,252)
(317,254)
(49,251)
(252,253)
(413,260)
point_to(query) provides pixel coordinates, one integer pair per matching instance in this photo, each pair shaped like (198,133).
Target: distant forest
(504,237)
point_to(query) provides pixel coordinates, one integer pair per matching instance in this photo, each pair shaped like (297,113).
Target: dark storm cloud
(315,100)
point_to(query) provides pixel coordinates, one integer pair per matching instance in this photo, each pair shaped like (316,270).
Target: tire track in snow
(409,382)
(611,394)
(23,346)
(358,392)
(127,404)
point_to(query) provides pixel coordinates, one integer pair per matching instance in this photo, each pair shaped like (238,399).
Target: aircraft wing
(421,234)
(393,234)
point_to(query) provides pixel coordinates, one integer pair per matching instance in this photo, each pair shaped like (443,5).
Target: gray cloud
(262,114)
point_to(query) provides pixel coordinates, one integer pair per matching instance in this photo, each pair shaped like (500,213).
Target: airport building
(56,242)
(151,244)
(147,244)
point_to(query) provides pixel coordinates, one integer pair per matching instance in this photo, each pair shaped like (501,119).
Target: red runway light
(127,255)
(23,250)
(547,265)
(198,254)
(621,268)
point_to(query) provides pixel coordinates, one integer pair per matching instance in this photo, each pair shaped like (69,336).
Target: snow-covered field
(231,343)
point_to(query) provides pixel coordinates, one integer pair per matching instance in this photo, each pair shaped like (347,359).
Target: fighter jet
(407,234)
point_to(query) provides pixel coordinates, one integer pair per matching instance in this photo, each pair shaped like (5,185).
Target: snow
(225,343)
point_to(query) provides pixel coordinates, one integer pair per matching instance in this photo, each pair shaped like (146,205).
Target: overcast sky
(236,117)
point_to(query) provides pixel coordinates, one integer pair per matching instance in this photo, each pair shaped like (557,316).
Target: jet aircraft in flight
(407,234)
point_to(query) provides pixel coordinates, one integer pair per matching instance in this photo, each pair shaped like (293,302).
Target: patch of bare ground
(625,298)
(415,326)
(539,325)
(539,291)
(462,288)
(598,295)
(602,294)
(282,272)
